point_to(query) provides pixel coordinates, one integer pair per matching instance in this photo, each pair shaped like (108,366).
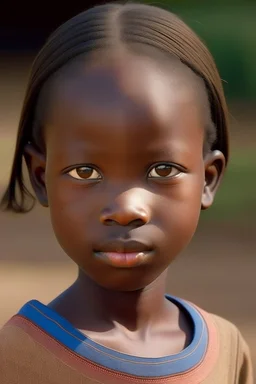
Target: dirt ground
(216,272)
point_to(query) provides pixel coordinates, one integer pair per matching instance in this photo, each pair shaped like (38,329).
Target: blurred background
(218,270)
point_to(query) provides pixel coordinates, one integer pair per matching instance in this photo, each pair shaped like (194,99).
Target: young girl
(124,134)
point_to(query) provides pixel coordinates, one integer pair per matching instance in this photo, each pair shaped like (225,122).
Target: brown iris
(84,172)
(163,170)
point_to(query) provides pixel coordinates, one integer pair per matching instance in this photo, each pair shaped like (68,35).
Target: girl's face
(124,173)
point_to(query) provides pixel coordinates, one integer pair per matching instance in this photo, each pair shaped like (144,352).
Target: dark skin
(124,172)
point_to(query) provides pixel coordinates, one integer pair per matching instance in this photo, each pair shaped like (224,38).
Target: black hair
(103,27)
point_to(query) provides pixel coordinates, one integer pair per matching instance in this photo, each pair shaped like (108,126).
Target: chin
(125,281)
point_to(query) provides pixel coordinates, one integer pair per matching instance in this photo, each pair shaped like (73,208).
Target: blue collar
(63,331)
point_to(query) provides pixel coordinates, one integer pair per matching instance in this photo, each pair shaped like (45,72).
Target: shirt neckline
(65,333)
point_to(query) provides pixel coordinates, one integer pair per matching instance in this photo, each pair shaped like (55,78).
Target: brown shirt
(30,356)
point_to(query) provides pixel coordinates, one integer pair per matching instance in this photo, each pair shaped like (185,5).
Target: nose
(128,209)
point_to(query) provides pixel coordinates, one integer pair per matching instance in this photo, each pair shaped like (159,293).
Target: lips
(124,254)
(131,246)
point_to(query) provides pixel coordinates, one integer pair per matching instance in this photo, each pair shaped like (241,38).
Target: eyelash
(88,167)
(179,169)
(171,166)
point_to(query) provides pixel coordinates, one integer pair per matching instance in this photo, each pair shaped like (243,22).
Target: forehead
(129,97)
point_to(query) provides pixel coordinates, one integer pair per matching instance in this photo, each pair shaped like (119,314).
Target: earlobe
(214,170)
(36,164)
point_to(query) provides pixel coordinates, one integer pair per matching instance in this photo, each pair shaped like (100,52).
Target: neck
(94,305)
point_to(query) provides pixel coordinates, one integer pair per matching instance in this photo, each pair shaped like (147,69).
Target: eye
(85,173)
(163,171)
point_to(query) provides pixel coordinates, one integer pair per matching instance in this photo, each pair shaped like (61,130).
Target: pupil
(163,170)
(84,172)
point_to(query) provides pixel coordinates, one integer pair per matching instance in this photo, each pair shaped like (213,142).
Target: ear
(36,163)
(214,169)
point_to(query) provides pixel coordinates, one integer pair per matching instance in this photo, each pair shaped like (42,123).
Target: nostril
(109,222)
(133,223)
(137,223)
(124,215)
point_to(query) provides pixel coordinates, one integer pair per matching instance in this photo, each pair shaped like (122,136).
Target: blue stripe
(62,331)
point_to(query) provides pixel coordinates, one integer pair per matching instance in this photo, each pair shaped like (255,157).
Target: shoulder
(226,331)
(18,352)
(236,348)
(233,350)
(212,321)
(229,333)
(12,340)
(225,327)
(222,325)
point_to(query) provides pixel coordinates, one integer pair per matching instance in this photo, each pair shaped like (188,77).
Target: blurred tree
(228,28)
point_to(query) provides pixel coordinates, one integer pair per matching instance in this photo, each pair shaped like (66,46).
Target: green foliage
(201,3)
(236,198)
(228,29)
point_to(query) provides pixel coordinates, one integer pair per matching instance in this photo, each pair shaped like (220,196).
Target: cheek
(181,207)
(72,211)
